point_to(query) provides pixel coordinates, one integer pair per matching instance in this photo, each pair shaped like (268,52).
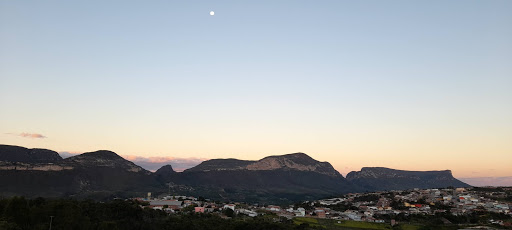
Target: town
(390,207)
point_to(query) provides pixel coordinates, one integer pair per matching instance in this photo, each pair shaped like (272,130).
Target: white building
(230,206)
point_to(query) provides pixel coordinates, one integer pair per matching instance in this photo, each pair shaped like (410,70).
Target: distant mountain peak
(104,158)
(374,171)
(103,154)
(220,165)
(297,154)
(381,178)
(300,158)
(293,161)
(166,169)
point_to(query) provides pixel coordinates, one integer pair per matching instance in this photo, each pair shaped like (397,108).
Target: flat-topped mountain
(20,154)
(381,172)
(220,165)
(294,161)
(380,178)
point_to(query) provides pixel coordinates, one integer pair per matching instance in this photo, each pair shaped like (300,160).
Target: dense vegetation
(20,213)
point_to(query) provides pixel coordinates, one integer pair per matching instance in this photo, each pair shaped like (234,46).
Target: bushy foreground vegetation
(20,213)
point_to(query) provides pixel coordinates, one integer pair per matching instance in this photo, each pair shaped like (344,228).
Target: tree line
(18,213)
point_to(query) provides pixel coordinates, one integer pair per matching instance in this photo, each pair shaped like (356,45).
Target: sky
(412,85)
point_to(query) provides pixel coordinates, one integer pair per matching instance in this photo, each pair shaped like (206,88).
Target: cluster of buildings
(355,206)
(175,204)
(457,201)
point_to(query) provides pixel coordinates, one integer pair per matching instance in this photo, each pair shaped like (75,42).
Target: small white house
(230,206)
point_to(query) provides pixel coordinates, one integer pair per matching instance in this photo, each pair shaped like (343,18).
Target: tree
(16,211)
(8,226)
(229,212)
(189,208)
(108,225)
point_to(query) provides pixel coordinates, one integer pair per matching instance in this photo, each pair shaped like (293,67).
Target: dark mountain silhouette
(103,159)
(288,177)
(21,154)
(379,178)
(284,178)
(165,171)
(220,165)
(97,174)
(294,161)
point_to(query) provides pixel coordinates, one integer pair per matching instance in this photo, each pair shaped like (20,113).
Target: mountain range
(285,178)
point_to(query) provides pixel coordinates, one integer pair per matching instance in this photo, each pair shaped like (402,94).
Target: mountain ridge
(14,153)
(103,158)
(292,161)
(283,178)
(382,178)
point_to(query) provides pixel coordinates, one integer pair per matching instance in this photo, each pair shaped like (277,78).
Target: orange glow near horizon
(464,161)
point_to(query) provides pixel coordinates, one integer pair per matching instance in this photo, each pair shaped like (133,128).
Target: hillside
(282,178)
(381,179)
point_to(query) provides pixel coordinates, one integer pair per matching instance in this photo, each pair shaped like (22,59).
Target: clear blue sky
(355,83)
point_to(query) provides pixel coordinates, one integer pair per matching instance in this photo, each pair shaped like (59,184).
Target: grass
(344,224)
(363,225)
(307,220)
(358,225)
(409,227)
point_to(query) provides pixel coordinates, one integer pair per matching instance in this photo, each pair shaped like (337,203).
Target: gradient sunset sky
(413,85)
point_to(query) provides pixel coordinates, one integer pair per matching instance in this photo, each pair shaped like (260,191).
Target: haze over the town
(406,85)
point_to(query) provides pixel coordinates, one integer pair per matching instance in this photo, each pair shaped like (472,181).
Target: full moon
(212,13)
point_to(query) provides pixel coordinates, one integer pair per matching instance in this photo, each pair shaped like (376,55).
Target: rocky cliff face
(381,172)
(285,178)
(33,166)
(97,174)
(379,178)
(24,159)
(294,161)
(103,158)
(220,165)
(19,158)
